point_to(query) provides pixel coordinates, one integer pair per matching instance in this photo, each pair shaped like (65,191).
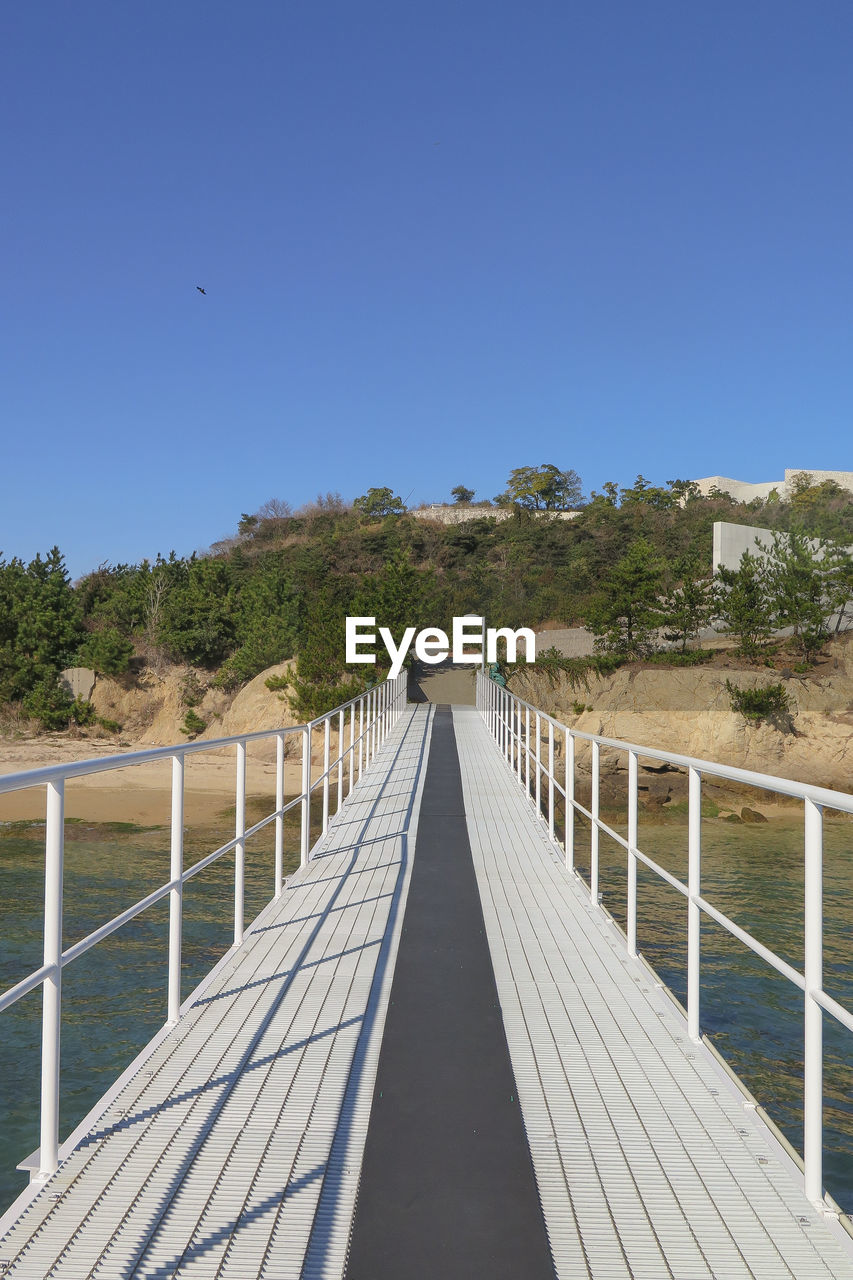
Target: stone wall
(447,513)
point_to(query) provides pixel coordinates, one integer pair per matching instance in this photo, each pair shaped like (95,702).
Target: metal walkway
(235,1147)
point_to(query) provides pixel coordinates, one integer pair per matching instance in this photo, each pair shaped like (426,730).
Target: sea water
(114,996)
(752,1014)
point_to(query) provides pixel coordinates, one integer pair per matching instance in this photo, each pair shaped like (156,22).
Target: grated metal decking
(648,1164)
(235,1147)
(234,1150)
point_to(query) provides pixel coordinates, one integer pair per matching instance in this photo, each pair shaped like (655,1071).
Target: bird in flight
(204,291)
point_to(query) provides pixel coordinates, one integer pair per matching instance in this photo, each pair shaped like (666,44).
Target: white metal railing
(364,720)
(518,728)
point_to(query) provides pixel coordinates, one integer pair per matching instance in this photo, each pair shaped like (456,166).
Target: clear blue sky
(439,241)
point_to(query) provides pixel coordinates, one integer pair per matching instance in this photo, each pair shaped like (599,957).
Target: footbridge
(434,1052)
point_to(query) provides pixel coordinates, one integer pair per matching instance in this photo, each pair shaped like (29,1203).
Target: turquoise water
(115,996)
(753,1015)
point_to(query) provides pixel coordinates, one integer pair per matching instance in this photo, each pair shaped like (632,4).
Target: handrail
(516,726)
(376,711)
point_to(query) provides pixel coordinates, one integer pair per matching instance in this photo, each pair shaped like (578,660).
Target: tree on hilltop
(544,488)
(379,502)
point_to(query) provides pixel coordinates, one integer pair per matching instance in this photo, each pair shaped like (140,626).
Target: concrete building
(744,491)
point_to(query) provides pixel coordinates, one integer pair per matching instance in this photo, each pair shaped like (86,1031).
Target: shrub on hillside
(763,702)
(106,652)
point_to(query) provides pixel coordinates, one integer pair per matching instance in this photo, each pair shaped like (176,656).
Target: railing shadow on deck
(321,1234)
(527,739)
(365,721)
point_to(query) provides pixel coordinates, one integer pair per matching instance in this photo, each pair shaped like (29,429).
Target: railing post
(551,779)
(527,749)
(176,893)
(240,847)
(340,761)
(813,1029)
(52,988)
(351,748)
(510,731)
(633,836)
(570,801)
(327,729)
(694,889)
(594,831)
(360,735)
(519,737)
(538,765)
(279,816)
(305,807)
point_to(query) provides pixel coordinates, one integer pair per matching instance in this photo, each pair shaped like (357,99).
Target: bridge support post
(594,829)
(305,826)
(519,739)
(694,890)
(569,819)
(340,761)
(176,893)
(813,1029)
(633,826)
(538,765)
(360,736)
(279,817)
(551,779)
(327,731)
(240,846)
(52,997)
(374,694)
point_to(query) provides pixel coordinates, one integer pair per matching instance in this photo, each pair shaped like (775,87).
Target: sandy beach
(141,793)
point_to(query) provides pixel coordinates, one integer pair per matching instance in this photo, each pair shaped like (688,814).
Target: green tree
(684,490)
(462,495)
(321,680)
(743,605)
(379,502)
(687,607)
(40,623)
(268,606)
(398,596)
(643,491)
(839,583)
(626,611)
(544,488)
(799,578)
(197,619)
(106,652)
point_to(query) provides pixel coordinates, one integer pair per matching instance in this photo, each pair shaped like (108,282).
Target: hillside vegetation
(635,564)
